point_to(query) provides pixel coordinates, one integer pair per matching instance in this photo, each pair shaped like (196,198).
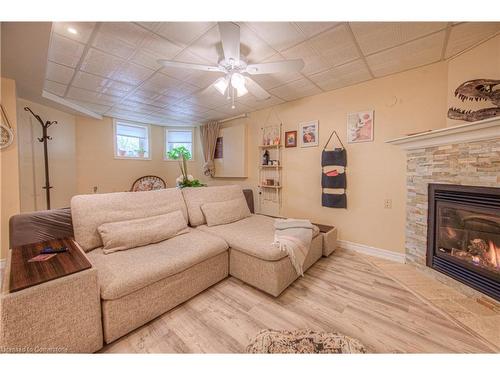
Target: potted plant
(141,152)
(122,152)
(182,154)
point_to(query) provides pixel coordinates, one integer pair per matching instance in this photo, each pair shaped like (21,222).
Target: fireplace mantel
(469,132)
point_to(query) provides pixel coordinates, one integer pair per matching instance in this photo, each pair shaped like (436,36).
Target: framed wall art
(360,127)
(291,138)
(309,133)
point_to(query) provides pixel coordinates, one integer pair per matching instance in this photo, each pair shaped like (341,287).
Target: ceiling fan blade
(256,90)
(230,37)
(284,66)
(177,64)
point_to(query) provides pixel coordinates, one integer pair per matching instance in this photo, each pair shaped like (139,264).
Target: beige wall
(403,103)
(97,166)
(9,162)
(62,157)
(482,61)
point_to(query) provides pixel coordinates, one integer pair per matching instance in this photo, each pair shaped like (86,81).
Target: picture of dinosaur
(477,90)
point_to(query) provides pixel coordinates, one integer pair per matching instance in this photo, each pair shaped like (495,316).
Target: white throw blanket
(294,236)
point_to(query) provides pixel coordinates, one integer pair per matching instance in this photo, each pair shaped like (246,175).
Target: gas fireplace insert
(463,235)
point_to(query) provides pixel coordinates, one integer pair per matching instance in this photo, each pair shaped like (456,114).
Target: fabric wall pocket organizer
(337,181)
(333,178)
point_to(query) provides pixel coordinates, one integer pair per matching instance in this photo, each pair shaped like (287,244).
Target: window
(176,138)
(131,140)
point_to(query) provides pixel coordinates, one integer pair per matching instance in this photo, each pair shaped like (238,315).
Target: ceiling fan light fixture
(238,81)
(221,85)
(241,91)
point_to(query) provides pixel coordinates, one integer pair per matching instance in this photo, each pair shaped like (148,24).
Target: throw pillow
(217,213)
(123,235)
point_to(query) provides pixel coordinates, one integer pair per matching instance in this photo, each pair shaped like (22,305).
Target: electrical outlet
(387,203)
(94,189)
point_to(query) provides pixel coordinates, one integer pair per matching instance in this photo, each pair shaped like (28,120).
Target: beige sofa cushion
(90,211)
(217,213)
(195,197)
(253,235)
(124,272)
(123,235)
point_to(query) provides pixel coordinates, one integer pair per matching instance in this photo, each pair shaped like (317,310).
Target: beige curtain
(208,134)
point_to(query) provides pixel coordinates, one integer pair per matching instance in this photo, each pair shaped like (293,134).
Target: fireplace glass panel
(469,236)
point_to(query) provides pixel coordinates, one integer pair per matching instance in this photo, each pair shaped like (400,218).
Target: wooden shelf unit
(271,193)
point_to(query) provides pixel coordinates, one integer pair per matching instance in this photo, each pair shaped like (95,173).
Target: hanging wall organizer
(331,177)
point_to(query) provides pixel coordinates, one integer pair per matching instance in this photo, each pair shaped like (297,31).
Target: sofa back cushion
(217,213)
(123,235)
(90,211)
(195,197)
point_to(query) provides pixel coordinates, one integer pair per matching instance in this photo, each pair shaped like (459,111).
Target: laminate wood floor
(346,293)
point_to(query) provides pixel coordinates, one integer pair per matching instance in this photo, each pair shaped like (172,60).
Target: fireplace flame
(493,254)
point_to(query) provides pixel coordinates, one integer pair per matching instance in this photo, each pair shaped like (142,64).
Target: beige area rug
(303,342)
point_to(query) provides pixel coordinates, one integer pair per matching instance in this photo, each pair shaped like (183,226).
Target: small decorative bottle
(265,158)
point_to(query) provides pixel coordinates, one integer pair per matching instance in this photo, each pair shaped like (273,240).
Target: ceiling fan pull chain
(232,99)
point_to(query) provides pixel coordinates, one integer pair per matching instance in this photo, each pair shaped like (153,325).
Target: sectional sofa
(143,271)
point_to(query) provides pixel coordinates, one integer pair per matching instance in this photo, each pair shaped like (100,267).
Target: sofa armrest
(40,226)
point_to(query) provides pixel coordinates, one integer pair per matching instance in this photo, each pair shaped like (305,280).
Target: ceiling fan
(236,81)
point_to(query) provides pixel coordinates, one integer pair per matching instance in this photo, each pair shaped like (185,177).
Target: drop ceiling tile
(158,45)
(189,107)
(119,38)
(182,33)
(209,98)
(336,45)
(55,88)
(132,74)
(136,107)
(144,96)
(269,81)
(255,104)
(59,73)
(83,30)
(407,56)
(100,63)
(213,115)
(313,61)
(208,46)
(182,90)
(376,36)
(165,101)
(98,108)
(160,83)
(115,88)
(89,81)
(311,29)
(65,51)
(252,48)
(279,35)
(342,76)
(295,90)
(465,35)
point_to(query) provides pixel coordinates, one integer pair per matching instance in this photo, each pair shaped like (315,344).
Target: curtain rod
(243,115)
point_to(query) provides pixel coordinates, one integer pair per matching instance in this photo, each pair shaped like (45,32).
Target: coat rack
(44,139)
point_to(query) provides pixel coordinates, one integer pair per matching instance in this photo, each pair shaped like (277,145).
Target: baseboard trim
(372,251)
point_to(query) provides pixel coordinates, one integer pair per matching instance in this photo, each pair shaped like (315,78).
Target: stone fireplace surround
(467,154)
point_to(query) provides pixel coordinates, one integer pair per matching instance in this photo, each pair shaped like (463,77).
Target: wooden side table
(51,306)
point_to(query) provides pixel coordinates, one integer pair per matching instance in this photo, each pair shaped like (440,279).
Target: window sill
(165,159)
(130,158)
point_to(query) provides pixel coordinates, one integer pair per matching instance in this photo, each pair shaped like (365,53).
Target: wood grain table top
(24,274)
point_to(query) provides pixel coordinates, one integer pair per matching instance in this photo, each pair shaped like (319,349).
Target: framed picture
(219,147)
(309,133)
(291,138)
(360,127)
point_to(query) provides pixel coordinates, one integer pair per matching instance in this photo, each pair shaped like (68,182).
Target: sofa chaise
(142,282)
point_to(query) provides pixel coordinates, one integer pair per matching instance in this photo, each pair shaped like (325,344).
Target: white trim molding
(2,264)
(463,133)
(372,251)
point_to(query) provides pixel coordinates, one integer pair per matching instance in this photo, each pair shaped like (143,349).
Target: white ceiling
(111,68)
